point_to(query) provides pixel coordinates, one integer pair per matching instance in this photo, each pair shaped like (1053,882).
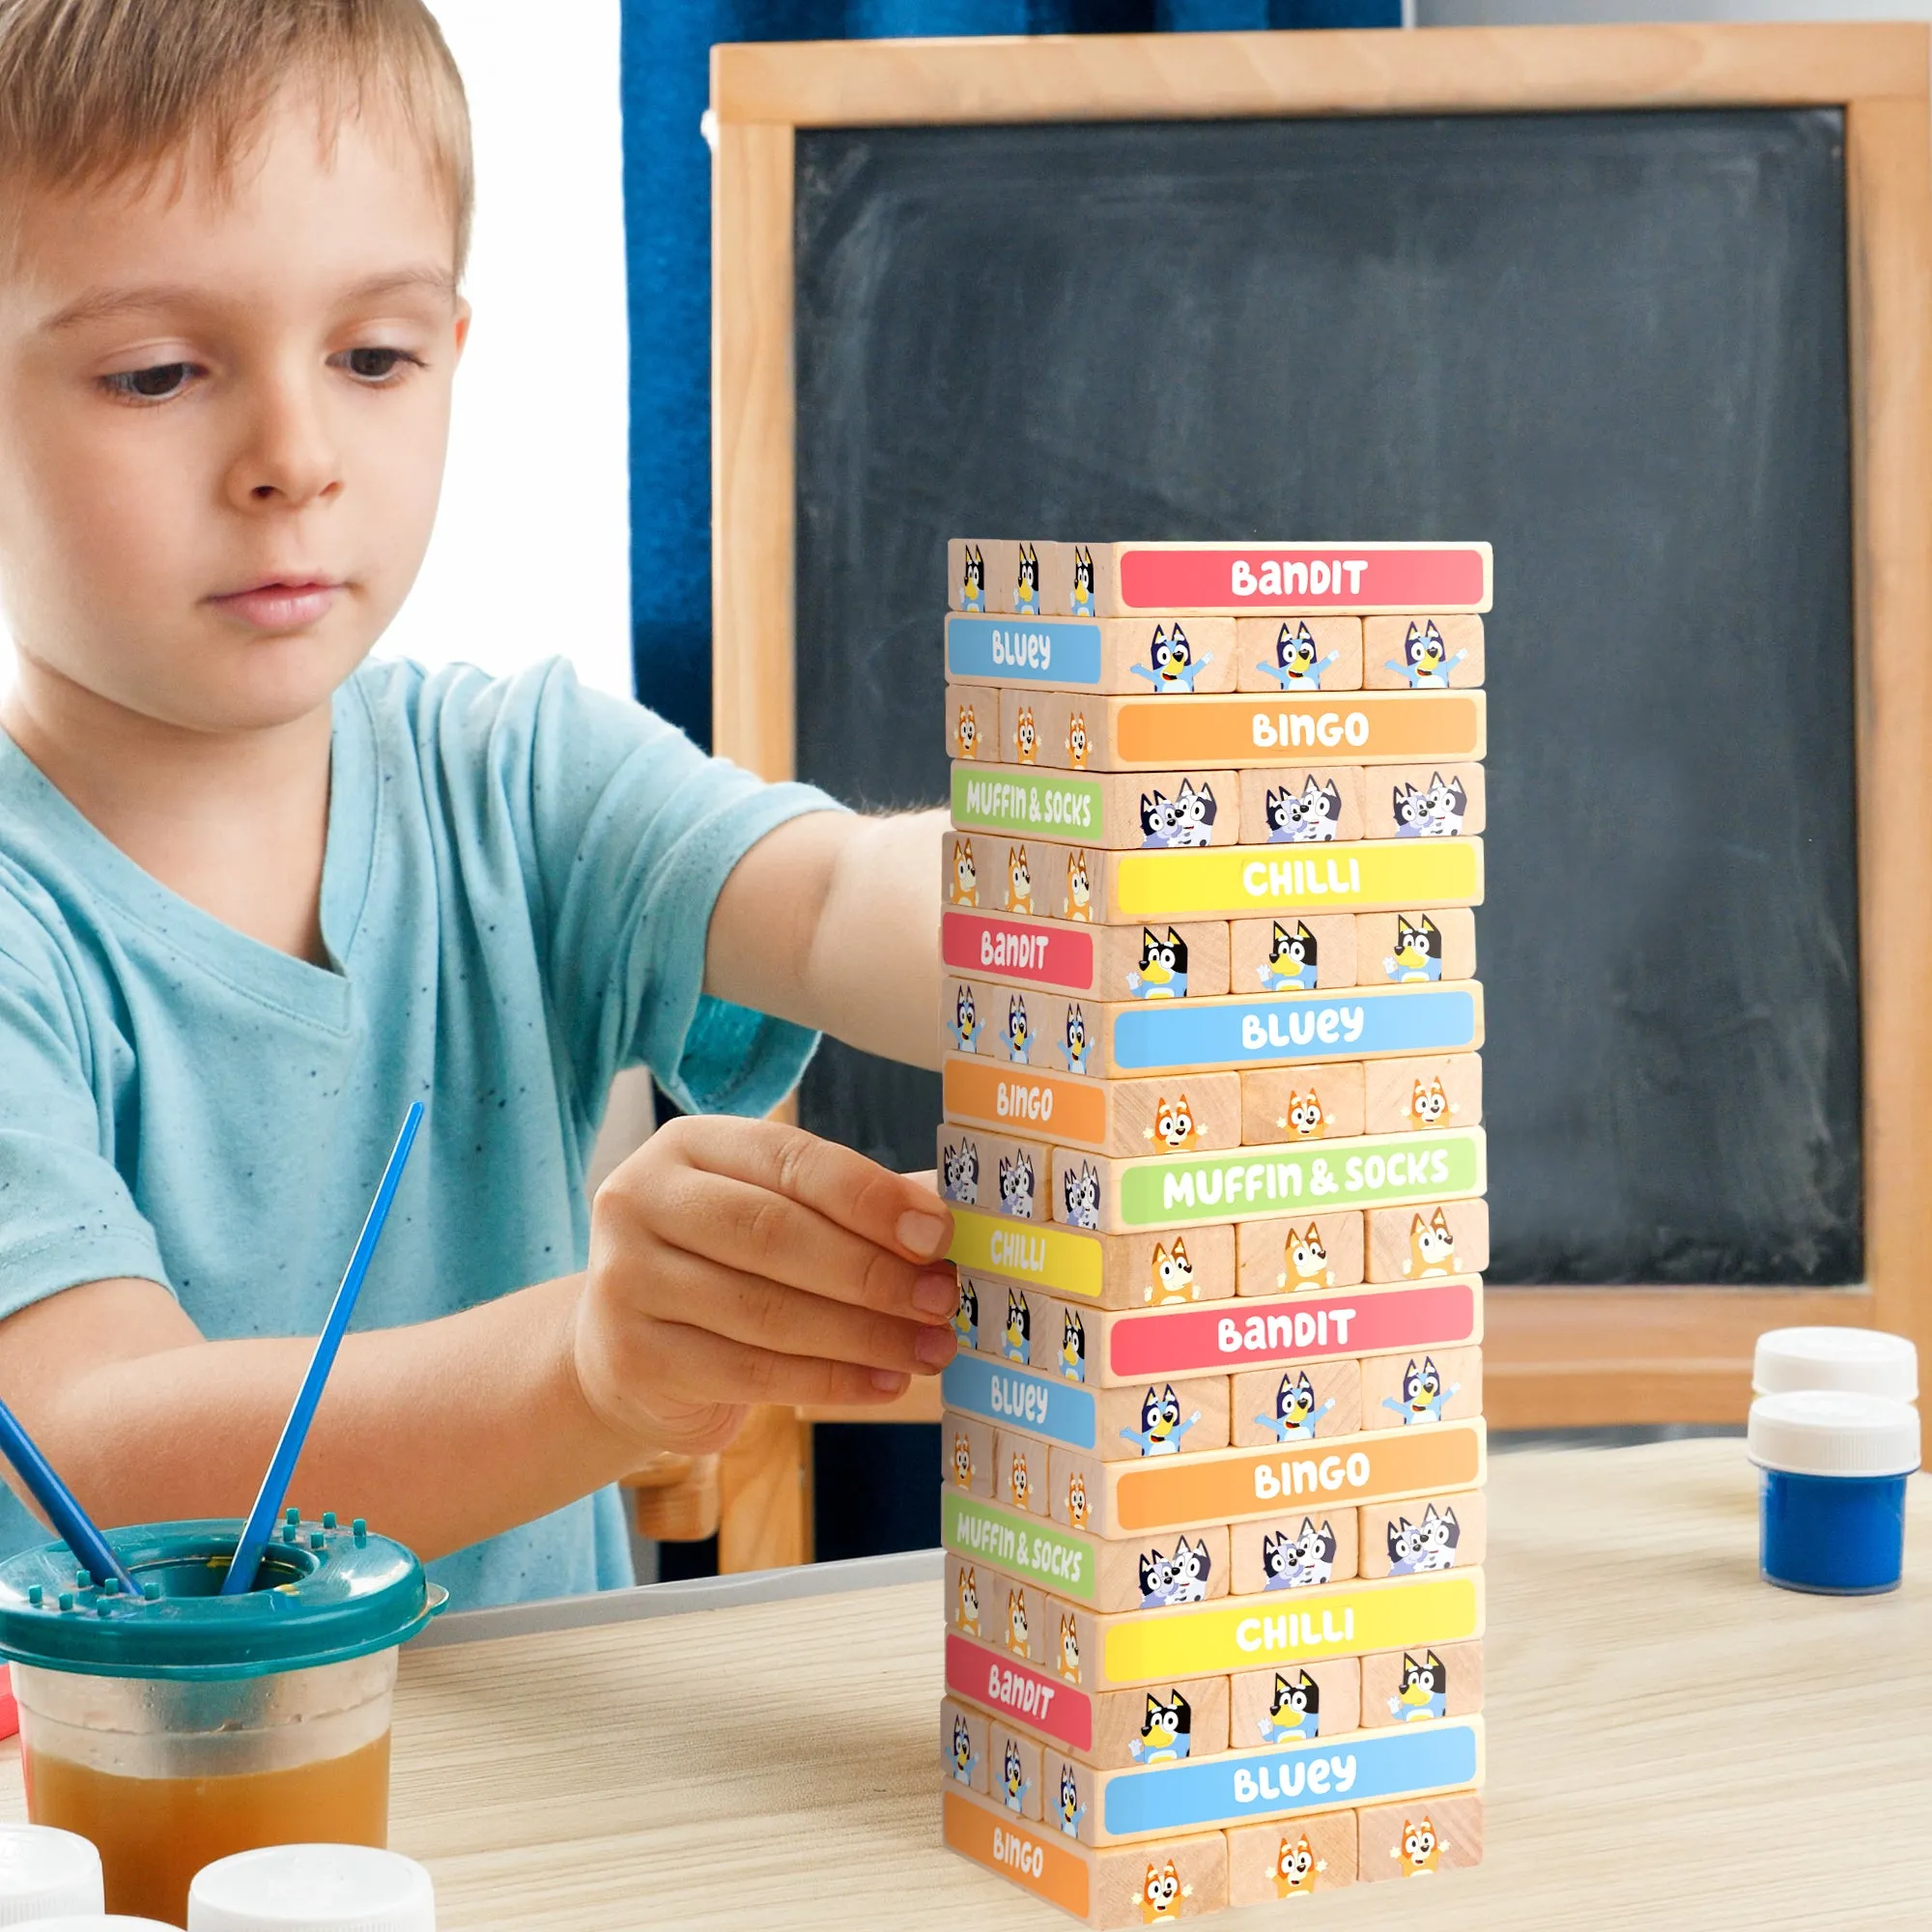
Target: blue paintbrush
(261,1523)
(73,1524)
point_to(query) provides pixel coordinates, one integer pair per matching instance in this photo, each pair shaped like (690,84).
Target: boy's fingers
(765,1314)
(696,1364)
(740,1225)
(845,1187)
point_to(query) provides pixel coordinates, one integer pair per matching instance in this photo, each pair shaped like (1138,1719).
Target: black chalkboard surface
(1615,346)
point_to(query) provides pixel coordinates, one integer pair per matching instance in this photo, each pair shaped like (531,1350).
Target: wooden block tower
(1213,1443)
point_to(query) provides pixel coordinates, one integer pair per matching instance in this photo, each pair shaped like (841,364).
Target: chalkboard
(1612,343)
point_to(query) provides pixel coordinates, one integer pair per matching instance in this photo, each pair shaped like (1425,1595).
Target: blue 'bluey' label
(1059,1411)
(1360,1770)
(1289,1027)
(1024,650)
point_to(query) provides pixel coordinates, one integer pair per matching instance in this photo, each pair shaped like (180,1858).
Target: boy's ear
(463,314)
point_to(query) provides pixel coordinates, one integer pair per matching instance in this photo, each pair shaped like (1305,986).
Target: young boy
(257,894)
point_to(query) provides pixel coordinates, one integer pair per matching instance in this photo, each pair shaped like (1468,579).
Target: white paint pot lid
(102,1922)
(1860,1359)
(45,1874)
(1833,1433)
(312,1888)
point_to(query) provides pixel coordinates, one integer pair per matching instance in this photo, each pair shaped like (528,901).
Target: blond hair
(96,92)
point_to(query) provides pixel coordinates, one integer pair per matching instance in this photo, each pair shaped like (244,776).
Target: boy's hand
(737,1262)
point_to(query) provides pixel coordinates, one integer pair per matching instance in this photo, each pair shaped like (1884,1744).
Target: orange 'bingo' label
(1026,1100)
(1020,1852)
(1224,1485)
(1346,727)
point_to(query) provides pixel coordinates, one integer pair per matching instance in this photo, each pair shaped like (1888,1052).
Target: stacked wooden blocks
(1214,1448)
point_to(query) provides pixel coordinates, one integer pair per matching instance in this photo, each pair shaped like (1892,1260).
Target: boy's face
(222,423)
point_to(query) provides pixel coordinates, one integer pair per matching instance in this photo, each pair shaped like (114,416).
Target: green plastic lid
(324,1594)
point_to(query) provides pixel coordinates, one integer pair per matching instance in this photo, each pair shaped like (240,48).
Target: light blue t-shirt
(519,879)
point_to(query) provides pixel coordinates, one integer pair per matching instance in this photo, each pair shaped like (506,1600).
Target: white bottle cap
(1861,1359)
(312,1888)
(44,1873)
(102,1922)
(1833,1432)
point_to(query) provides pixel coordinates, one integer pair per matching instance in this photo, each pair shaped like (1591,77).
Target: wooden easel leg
(764,1483)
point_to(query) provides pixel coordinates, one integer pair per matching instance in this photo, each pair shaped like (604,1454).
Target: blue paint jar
(1833,1467)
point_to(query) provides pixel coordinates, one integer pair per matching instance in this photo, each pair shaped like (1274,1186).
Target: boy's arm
(832,921)
(731,1262)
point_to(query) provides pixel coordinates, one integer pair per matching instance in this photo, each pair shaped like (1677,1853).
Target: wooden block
(1020,1471)
(1041,878)
(1295,1404)
(1412,1841)
(1281,1331)
(1047,729)
(981,573)
(967,1442)
(1318,1700)
(1301,1251)
(1341,727)
(1298,655)
(1424,801)
(1415,1761)
(971,722)
(1101,1271)
(1107,1425)
(1006,1176)
(1015,1767)
(1447,1238)
(1106,1729)
(1287,1106)
(1442,652)
(1294,955)
(1437,1681)
(1001,1611)
(1244,1485)
(1283,880)
(1266,1863)
(1104,1575)
(1408,1096)
(1246,1633)
(1403,1539)
(1096,961)
(1163,655)
(1412,1392)
(1120,811)
(963,1745)
(1256,1183)
(1297,1551)
(1024,1026)
(1181,1878)
(1112,1117)
(1416,947)
(1296,806)
(1240,579)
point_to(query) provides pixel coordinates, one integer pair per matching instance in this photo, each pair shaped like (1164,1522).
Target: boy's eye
(377,365)
(151,385)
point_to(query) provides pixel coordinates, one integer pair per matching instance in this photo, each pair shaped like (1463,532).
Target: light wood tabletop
(1671,1742)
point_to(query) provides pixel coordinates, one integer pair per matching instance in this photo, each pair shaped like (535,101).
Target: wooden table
(1671,1743)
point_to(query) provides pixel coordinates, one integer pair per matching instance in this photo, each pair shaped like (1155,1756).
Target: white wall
(1571,12)
(532,552)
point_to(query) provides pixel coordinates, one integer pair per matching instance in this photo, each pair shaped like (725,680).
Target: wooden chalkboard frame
(1556,1357)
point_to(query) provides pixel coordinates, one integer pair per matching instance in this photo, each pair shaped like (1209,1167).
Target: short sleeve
(66,1214)
(632,832)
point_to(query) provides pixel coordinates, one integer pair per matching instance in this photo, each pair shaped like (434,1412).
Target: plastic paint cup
(313,1889)
(1865,1361)
(185,1726)
(1831,1489)
(45,1872)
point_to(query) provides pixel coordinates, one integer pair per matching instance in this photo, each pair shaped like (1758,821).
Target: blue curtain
(667,215)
